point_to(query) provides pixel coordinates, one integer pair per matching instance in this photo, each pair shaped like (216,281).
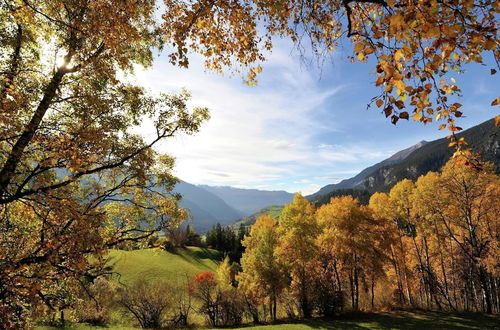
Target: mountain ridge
(353,182)
(417,160)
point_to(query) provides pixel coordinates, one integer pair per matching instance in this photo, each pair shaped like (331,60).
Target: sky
(302,127)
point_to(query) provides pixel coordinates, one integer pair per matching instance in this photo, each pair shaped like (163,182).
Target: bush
(231,307)
(98,298)
(148,302)
(204,287)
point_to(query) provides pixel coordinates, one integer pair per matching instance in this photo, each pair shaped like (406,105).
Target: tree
(263,275)
(297,232)
(464,206)
(349,245)
(148,302)
(74,179)
(415,44)
(203,286)
(383,212)
(226,275)
(226,240)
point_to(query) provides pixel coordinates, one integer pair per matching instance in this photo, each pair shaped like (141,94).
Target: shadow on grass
(392,320)
(196,255)
(408,320)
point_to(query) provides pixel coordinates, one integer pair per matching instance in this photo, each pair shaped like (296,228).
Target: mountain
(205,207)
(483,138)
(249,201)
(362,195)
(414,162)
(358,179)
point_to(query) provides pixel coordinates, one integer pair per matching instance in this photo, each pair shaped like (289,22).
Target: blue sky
(302,127)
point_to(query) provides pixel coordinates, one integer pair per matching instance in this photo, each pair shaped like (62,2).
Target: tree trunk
(9,168)
(485,290)
(373,293)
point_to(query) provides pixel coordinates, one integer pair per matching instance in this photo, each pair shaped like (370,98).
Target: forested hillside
(415,161)
(483,139)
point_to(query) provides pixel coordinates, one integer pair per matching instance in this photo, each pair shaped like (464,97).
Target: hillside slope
(205,207)
(483,138)
(172,266)
(273,211)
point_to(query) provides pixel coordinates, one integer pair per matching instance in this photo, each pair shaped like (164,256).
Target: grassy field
(366,321)
(393,320)
(172,266)
(273,211)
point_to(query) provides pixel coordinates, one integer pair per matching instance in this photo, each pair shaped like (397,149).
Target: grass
(365,321)
(273,211)
(171,266)
(393,320)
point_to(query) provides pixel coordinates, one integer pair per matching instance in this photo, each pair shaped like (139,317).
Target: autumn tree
(349,245)
(414,44)
(297,232)
(74,178)
(203,286)
(263,275)
(384,214)
(460,204)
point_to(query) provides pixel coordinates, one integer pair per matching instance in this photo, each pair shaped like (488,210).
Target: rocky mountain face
(483,139)
(358,180)
(417,160)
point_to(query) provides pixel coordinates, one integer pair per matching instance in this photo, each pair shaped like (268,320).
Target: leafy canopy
(414,44)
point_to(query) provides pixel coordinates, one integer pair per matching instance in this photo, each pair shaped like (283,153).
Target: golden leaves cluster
(418,46)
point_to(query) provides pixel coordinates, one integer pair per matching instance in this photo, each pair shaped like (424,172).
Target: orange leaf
(388,111)
(380,102)
(359,47)
(404,115)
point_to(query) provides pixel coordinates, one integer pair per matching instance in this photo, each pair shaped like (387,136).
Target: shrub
(148,302)
(231,307)
(98,298)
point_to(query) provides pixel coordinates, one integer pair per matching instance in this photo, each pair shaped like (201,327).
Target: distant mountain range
(249,201)
(227,205)
(209,205)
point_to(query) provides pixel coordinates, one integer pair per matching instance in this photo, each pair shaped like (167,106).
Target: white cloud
(257,136)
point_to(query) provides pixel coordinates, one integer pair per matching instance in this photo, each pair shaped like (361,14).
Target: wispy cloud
(292,131)
(255,134)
